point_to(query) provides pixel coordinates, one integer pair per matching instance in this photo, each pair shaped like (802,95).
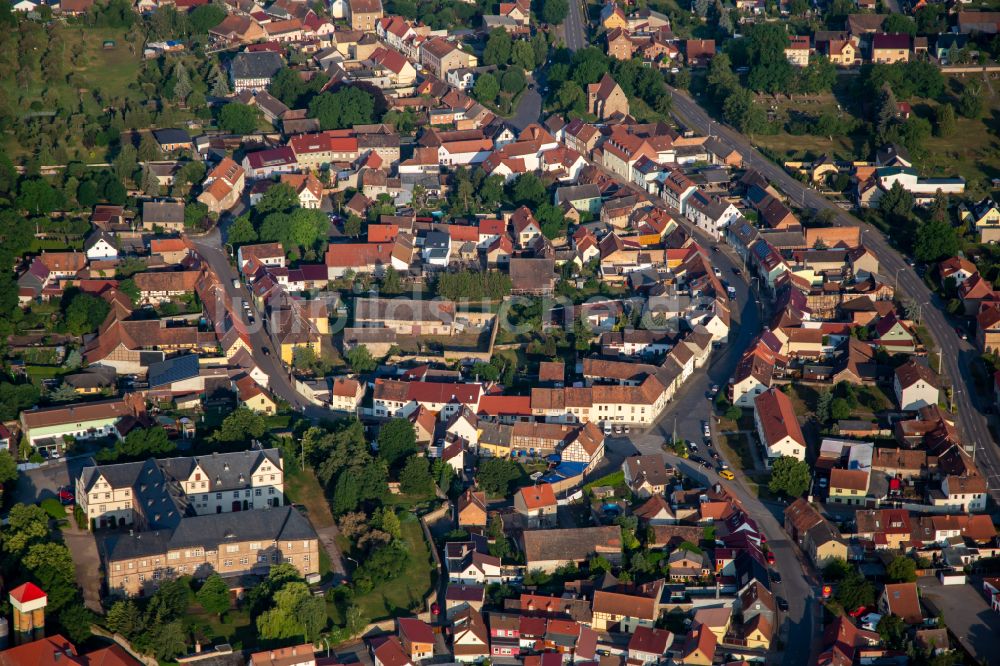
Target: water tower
(29,603)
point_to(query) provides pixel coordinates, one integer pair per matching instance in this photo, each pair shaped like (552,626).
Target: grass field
(406,592)
(972,151)
(302,487)
(238,629)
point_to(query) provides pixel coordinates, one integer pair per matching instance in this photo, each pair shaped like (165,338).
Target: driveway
(37,484)
(966,614)
(83,546)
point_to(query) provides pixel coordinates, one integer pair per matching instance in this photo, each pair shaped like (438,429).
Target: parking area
(34,485)
(966,614)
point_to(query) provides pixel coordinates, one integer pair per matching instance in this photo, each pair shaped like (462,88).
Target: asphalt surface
(957,355)
(529,108)
(279,379)
(575,26)
(686,413)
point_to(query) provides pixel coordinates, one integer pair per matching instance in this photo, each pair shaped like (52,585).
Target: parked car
(66,495)
(770,557)
(775,576)
(782,604)
(727,475)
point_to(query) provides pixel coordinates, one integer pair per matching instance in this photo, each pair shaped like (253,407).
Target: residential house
(253,70)
(537,506)
(915,385)
(648,647)
(777,425)
(165,215)
(364,14)
(901,600)
(416,638)
(983,218)
(47,428)
(470,509)
(223,186)
(622,613)
(889,49)
(470,638)
(550,549)
(699,647)
(848,486)
(441,56)
(646,475)
(813,533)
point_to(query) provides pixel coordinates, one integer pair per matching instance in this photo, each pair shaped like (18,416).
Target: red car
(858,612)
(435,609)
(770,557)
(66,496)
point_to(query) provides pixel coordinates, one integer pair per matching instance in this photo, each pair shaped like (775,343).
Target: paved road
(529,108)
(956,355)
(575,26)
(279,379)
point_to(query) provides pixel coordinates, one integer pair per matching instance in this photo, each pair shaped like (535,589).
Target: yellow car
(727,475)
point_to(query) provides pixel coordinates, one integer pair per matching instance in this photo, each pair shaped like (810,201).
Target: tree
(552,220)
(528,190)
(241,424)
(789,476)
(8,468)
(899,24)
(352,226)
(571,97)
(168,640)
(238,118)
(513,81)
(150,183)
(486,88)
(893,630)
(901,569)
(970,103)
(76,620)
(278,198)
(126,619)
(415,479)
(50,564)
(770,70)
(840,409)
(296,612)
(85,312)
(205,17)
(855,591)
(195,212)
(386,520)
(214,595)
(554,11)
(347,107)
(823,406)
(360,359)
(391,282)
(897,202)
(149,149)
(37,196)
(522,54)
(496,474)
(936,239)
(540,46)
(396,440)
(887,112)
(182,83)
(498,48)
(944,120)
(836,569)
(242,232)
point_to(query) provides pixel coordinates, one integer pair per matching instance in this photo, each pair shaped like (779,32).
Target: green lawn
(614,479)
(302,487)
(405,593)
(238,629)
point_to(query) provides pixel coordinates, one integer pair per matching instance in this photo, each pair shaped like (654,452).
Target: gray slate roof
(211,531)
(257,65)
